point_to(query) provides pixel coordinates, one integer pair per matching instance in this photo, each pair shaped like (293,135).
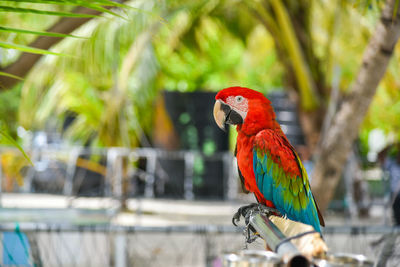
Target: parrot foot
(245,211)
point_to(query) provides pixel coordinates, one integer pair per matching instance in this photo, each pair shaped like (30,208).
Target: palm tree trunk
(336,144)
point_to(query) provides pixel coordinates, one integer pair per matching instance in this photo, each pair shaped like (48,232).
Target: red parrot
(268,164)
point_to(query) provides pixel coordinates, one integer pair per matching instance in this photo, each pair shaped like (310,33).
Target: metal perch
(276,240)
(296,243)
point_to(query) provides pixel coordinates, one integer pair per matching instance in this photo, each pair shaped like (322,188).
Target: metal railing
(202,245)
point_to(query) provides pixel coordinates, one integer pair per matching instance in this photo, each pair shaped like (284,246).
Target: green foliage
(338,45)
(211,56)
(92,85)
(43,12)
(111,82)
(10,75)
(43,33)
(21,21)
(32,17)
(384,112)
(20,10)
(10,101)
(207,67)
(6,139)
(25,48)
(112,78)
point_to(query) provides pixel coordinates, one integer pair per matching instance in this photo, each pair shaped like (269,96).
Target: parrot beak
(224,114)
(220,113)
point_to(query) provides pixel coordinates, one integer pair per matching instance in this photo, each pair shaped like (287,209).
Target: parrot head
(248,109)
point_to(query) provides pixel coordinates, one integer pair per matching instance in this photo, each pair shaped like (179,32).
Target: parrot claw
(270,211)
(245,211)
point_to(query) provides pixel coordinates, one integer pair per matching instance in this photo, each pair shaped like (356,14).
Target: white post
(120,249)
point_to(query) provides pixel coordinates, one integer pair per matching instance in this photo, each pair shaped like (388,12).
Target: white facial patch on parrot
(239,104)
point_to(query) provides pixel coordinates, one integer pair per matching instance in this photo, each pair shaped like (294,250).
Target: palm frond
(302,72)
(95,5)
(52,34)
(45,12)
(93,74)
(51,8)
(29,49)
(10,75)
(10,140)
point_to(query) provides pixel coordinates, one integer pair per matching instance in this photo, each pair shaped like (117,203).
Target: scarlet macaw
(268,164)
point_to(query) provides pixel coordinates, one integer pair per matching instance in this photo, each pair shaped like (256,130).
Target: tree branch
(336,144)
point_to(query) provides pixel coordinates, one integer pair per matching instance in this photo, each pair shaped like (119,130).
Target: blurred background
(109,152)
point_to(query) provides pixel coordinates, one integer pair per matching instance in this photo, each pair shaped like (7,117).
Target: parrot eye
(239,99)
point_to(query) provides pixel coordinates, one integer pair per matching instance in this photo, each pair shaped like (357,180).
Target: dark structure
(286,115)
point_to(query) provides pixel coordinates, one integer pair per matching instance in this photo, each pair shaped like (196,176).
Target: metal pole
(151,166)
(27,187)
(117,186)
(120,249)
(71,169)
(209,248)
(230,178)
(276,240)
(189,171)
(110,171)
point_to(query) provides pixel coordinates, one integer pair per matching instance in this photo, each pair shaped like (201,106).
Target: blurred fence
(119,172)
(123,173)
(67,245)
